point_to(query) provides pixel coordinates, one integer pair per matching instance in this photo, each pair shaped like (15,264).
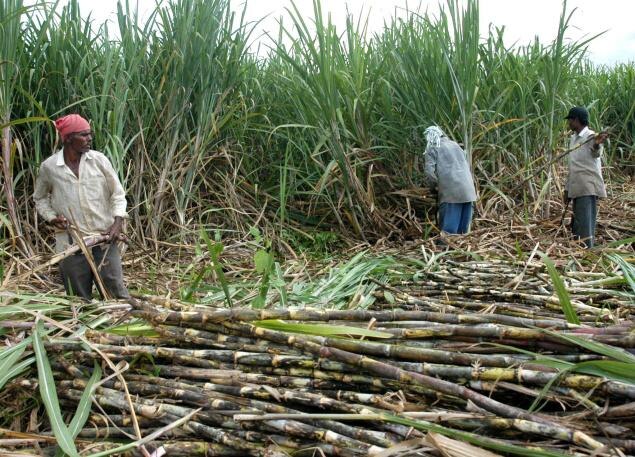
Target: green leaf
(258,303)
(255,232)
(215,249)
(7,359)
(280,285)
(15,370)
(609,369)
(49,395)
(320,329)
(263,261)
(561,290)
(627,269)
(23,307)
(83,408)
(553,363)
(618,243)
(24,121)
(593,346)
(134,329)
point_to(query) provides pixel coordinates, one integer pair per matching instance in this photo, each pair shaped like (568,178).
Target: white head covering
(433,136)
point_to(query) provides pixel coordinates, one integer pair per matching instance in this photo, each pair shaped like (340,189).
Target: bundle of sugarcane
(462,352)
(351,382)
(510,288)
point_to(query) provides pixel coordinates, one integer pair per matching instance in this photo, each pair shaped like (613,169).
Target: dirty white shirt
(585,167)
(91,201)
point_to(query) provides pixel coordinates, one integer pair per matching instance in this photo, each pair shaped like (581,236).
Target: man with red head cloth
(78,190)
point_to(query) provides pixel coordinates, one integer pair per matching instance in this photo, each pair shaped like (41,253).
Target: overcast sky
(522,19)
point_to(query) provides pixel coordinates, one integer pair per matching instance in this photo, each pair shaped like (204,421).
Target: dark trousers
(78,277)
(455,218)
(585,211)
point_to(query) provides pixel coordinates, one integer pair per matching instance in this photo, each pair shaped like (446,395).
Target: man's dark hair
(580,113)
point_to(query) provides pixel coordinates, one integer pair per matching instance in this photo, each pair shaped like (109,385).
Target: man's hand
(114,232)
(59,222)
(599,139)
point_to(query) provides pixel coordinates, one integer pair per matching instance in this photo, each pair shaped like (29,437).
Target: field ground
(405,348)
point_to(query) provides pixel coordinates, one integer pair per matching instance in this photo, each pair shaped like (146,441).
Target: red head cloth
(71,124)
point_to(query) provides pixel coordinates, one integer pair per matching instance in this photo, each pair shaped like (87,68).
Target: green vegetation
(319,132)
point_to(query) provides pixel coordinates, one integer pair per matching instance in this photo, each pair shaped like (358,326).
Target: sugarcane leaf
(24,120)
(561,291)
(24,307)
(547,387)
(9,356)
(83,408)
(615,371)
(402,448)
(553,363)
(628,270)
(538,358)
(452,447)
(134,329)
(488,443)
(146,439)
(599,348)
(49,395)
(617,243)
(320,329)
(15,370)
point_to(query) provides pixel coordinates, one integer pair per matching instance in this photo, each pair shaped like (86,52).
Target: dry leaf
(454,448)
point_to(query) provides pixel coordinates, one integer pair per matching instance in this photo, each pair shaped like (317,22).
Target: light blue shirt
(447,169)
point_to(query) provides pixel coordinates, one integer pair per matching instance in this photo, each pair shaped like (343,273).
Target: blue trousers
(455,218)
(585,211)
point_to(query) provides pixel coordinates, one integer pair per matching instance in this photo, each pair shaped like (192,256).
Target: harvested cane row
(473,351)
(261,390)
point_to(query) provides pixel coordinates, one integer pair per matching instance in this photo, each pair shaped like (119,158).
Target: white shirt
(90,201)
(585,166)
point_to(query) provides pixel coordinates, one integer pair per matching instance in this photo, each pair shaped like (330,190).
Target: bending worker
(78,185)
(446,168)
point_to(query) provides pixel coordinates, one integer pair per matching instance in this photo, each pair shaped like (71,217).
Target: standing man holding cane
(584,181)
(79,185)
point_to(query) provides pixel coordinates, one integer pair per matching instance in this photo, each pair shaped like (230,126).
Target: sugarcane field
(311,228)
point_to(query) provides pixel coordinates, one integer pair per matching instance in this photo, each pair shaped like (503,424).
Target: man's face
(572,123)
(81,141)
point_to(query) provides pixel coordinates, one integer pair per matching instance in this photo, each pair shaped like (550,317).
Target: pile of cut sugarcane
(473,352)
